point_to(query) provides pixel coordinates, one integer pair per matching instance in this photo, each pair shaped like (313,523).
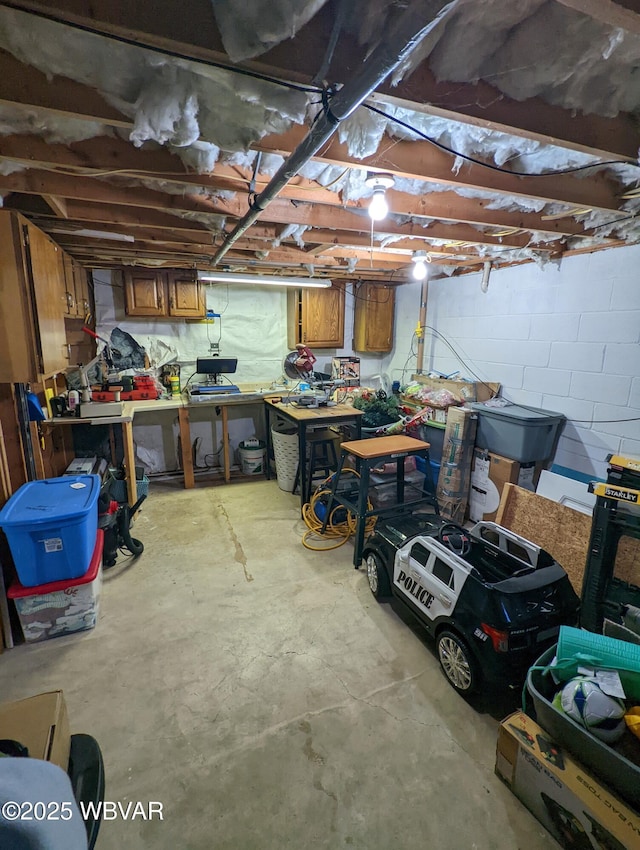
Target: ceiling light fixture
(420,260)
(379,208)
(259,280)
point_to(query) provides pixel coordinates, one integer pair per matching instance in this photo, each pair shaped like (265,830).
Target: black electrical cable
(570,170)
(464,363)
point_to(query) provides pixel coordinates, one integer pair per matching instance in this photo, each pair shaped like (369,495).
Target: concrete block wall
(564,338)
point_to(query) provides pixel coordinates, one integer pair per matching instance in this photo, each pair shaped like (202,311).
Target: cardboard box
(489,473)
(41,724)
(577,809)
(455,472)
(346,369)
(463,390)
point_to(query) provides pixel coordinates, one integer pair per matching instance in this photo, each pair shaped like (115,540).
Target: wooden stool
(367,454)
(322,456)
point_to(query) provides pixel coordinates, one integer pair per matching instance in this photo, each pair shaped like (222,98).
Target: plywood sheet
(562,531)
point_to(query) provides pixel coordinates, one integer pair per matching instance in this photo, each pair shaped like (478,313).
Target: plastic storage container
(51,528)
(609,763)
(284,439)
(60,607)
(525,434)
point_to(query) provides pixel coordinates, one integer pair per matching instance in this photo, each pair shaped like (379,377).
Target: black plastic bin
(610,763)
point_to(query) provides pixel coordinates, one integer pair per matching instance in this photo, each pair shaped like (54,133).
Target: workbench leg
(130,462)
(225,444)
(37,449)
(361,521)
(267,418)
(185,443)
(302,461)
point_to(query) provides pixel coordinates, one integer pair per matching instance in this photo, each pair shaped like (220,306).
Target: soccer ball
(586,703)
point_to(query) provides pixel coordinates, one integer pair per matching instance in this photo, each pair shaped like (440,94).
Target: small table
(367,452)
(306,419)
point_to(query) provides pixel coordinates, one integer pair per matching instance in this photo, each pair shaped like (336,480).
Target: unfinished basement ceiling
(511,130)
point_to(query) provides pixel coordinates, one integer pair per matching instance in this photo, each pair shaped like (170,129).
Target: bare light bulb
(378,208)
(419,270)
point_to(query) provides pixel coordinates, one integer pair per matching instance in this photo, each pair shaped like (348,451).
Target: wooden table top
(383,446)
(337,411)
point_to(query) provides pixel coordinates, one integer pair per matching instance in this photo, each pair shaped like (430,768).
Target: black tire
(377,577)
(458,663)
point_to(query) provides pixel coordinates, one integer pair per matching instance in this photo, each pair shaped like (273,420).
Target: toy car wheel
(457,662)
(377,576)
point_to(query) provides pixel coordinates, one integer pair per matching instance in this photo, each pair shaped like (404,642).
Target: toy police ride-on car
(493,600)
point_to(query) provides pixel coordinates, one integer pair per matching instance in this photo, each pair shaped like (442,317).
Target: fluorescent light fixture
(379,208)
(95,234)
(266,280)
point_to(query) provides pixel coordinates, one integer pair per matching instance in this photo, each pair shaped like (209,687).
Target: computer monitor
(216,365)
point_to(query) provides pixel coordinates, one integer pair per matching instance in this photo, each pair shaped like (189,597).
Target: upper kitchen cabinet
(185,294)
(144,293)
(77,289)
(373,317)
(316,317)
(32,302)
(173,293)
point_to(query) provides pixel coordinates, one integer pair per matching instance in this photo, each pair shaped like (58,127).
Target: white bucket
(251,454)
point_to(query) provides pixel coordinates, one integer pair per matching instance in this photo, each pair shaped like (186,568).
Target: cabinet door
(71,304)
(186,296)
(373,317)
(144,292)
(81,287)
(47,274)
(316,317)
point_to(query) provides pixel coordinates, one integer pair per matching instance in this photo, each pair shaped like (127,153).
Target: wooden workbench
(218,403)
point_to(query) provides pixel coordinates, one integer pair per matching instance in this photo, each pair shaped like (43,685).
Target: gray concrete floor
(262,695)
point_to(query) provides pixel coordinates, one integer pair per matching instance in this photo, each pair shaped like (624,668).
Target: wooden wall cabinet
(316,317)
(32,302)
(76,289)
(163,293)
(373,317)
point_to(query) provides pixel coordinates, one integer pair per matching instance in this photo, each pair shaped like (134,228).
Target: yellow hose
(336,534)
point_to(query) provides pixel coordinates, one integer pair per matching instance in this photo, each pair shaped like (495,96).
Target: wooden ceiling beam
(417,160)
(420,160)
(122,217)
(69,230)
(442,206)
(451,233)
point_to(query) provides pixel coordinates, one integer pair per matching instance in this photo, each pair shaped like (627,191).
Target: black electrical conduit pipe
(387,56)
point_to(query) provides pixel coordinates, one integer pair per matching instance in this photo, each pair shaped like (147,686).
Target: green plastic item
(579,648)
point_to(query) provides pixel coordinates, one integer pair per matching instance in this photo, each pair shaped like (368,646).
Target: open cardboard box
(577,809)
(40,723)
(464,391)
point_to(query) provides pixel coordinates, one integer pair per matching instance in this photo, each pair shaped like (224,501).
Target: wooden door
(186,295)
(373,317)
(316,317)
(144,292)
(47,274)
